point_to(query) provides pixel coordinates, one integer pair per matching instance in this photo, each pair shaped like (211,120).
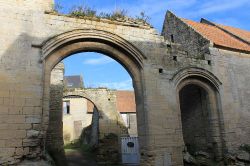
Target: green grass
(85,149)
(72,145)
(69,150)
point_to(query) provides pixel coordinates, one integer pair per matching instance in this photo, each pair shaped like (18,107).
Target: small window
(160,70)
(70,84)
(209,62)
(66,107)
(175,58)
(172,38)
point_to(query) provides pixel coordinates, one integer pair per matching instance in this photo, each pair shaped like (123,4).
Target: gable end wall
(191,41)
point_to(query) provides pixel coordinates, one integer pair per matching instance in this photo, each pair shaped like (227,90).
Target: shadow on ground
(77,158)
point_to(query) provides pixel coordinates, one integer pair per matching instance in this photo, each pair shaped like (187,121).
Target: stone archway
(201,115)
(82,93)
(82,121)
(64,45)
(105,102)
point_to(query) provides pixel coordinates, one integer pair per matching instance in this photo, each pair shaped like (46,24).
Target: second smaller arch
(201,116)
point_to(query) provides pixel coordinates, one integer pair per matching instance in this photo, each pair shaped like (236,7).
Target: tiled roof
(125,101)
(90,107)
(221,38)
(245,35)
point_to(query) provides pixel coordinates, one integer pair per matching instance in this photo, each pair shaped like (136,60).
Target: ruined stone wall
(94,137)
(54,135)
(160,137)
(191,42)
(20,85)
(132,130)
(78,119)
(23,97)
(23,101)
(110,120)
(231,68)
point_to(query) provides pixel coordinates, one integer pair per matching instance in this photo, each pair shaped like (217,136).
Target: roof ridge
(216,35)
(182,20)
(205,21)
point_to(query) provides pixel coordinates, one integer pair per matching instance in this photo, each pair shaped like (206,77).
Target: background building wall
(230,67)
(78,114)
(191,42)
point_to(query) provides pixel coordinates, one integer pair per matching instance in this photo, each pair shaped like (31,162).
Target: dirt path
(76,158)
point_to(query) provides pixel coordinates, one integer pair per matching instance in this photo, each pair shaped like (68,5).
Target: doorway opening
(95,117)
(194,104)
(200,118)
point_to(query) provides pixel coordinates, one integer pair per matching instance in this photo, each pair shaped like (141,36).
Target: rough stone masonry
(163,67)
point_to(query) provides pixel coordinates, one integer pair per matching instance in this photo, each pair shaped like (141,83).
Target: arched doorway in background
(202,128)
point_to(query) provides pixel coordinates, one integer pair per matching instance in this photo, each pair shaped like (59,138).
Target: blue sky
(98,70)
(228,12)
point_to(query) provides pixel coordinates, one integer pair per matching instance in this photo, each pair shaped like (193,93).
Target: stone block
(33,133)
(20,133)
(33,119)
(28,110)
(19,102)
(5,152)
(31,142)
(2,143)
(33,102)
(4,110)
(14,143)
(19,151)
(14,119)
(15,110)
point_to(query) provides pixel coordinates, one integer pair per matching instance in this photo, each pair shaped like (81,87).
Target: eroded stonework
(33,42)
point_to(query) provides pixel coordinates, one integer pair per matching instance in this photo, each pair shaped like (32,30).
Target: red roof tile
(125,101)
(245,35)
(220,37)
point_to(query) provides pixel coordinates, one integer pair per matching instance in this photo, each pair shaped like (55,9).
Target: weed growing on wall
(84,11)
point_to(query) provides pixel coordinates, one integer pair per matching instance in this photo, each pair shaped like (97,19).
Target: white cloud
(201,9)
(98,61)
(122,85)
(151,7)
(221,6)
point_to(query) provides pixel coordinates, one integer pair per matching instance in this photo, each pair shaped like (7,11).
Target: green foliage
(77,145)
(117,15)
(86,148)
(80,11)
(111,136)
(143,17)
(57,7)
(245,147)
(73,145)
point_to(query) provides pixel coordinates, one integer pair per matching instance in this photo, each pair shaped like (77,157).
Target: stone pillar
(95,128)
(164,142)
(54,138)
